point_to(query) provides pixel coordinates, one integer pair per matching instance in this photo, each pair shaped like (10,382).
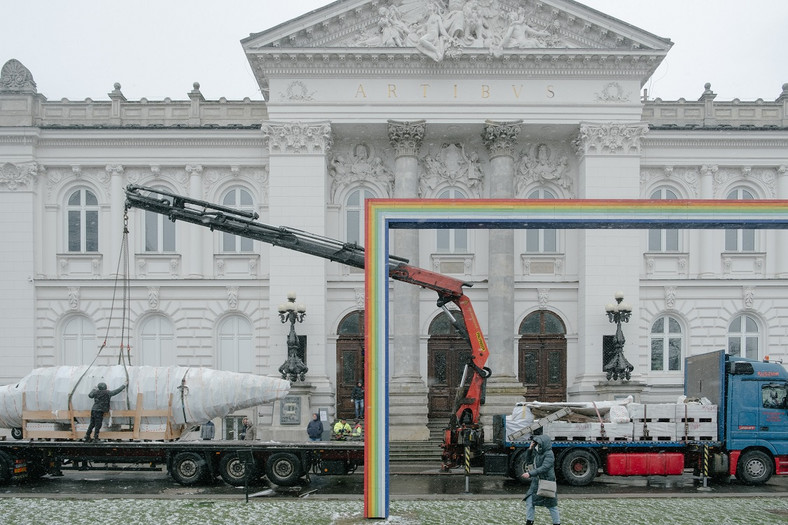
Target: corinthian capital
(297,137)
(500,138)
(610,138)
(406,137)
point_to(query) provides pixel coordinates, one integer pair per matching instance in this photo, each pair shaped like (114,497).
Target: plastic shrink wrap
(198,394)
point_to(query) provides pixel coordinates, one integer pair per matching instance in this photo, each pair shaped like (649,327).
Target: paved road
(406,481)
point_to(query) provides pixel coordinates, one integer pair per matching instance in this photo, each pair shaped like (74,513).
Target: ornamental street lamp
(294,367)
(618,313)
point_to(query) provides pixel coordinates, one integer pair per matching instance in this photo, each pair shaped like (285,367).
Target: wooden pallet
(64,423)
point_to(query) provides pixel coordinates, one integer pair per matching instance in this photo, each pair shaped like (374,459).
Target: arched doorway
(542,357)
(350,360)
(447,354)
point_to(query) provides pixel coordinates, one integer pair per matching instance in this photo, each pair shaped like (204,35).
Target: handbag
(546,488)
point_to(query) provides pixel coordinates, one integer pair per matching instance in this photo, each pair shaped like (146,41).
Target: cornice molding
(714,142)
(152,142)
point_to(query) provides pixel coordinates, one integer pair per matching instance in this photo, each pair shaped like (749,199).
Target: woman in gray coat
(540,454)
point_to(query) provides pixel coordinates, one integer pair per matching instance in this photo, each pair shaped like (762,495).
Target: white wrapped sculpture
(195,395)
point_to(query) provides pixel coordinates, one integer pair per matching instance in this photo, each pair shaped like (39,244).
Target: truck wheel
(188,468)
(16,433)
(755,467)
(519,468)
(234,472)
(283,468)
(579,467)
(6,464)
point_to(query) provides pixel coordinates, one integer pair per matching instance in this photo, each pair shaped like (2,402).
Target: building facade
(457,99)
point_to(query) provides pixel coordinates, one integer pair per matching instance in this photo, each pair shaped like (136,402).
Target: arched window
(79,341)
(667,343)
(743,337)
(663,240)
(82,218)
(354,215)
(240,199)
(157,342)
(541,241)
(159,233)
(451,240)
(235,347)
(740,240)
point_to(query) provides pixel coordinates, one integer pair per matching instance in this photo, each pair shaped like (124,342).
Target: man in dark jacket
(315,428)
(540,454)
(100,396)
(357,396)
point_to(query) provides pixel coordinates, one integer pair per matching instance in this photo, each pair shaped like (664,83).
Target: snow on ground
(695,511)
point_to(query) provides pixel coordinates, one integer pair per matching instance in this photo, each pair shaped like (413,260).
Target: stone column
(708,265)
(118,199)
(407,392)
(503,389)
(297,159)
(781,245)
(194,254)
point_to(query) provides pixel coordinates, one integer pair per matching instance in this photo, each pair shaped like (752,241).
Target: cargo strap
(601,422)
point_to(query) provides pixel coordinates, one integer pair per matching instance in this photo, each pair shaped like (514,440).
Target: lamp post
(294,367)
(618,313)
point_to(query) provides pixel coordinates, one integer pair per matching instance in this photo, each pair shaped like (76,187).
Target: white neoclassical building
(418,99)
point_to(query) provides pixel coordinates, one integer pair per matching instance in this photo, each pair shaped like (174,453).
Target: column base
(408,410)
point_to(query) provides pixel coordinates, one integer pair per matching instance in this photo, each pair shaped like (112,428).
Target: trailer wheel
(579,467)
(188,468)
(755,467)
(283,468)
(234,472)
(6,464)
(16,433)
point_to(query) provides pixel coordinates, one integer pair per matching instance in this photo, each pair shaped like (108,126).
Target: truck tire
(16,433)
(283,468)
(519,468)
(188,468)
(755,467)
(6,466)
(579,467)
(234,470)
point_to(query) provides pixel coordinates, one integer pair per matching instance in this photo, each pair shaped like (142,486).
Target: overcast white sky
(158,48)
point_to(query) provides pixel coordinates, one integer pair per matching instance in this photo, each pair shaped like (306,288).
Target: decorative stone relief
(441,29)
(297,91)
(297,137)
(153,297)
(360,298)
(73,297)
(543,295)
(500,138)
(451,165)
(232,297)
(16,78)
(612,92)
(687,178)
(356,164)
(406,137)
(670,297)
(542,163)
(611,138)
(14,176)
(748,296)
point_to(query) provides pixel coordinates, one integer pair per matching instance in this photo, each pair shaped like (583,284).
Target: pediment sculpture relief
(440,28)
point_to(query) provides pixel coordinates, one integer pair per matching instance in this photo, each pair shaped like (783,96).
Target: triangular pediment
(445,28)
(533,37)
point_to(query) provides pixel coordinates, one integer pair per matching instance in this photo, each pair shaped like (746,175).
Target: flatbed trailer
(188,462)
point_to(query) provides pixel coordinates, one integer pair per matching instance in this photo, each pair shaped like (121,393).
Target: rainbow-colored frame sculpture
(383,215)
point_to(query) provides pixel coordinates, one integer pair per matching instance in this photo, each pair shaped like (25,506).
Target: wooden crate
(36,424)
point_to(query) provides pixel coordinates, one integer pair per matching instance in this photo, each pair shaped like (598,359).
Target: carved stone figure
(451,165)
(543,165)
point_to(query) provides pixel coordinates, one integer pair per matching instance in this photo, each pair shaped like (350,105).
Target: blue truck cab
(752,397)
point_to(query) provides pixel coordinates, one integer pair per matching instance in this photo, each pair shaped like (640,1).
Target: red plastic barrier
(645,464)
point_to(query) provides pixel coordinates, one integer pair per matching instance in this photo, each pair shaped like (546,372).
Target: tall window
(235,345)
(740,240)
(240,199)
(82,211)
(541,241)
(663,240)
(79,341)
(451,240)
(157,342)
(354,215)
(159,233)
(743,337)
(667,342)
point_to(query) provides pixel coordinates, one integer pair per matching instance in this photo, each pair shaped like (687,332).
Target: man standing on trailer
(100,396)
